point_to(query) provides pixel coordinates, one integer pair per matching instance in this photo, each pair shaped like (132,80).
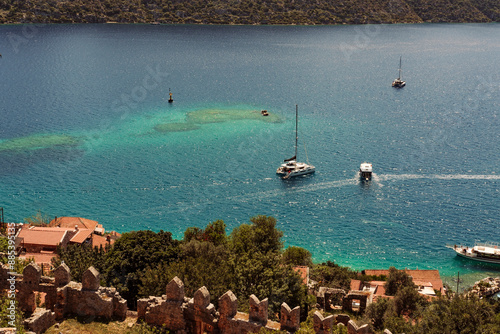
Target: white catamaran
(291,167)
(398,83)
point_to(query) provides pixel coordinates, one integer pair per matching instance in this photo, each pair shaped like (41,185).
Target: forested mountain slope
(249,11)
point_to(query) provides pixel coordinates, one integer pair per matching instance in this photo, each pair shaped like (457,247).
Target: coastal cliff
(305,12)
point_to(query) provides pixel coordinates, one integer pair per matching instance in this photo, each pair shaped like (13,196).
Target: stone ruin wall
(178,313)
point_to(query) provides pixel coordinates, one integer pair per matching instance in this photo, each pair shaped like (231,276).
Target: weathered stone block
(40,320)
(175,290)
(258,310)
(321,324)
(342,319)
(289,319)
(228,305)
(202,298)
(32,275)
(62,275)
(352,328)
(91,279)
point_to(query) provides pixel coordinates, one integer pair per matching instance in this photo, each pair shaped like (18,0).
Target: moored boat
(484,252)
(291,167)
(398,82)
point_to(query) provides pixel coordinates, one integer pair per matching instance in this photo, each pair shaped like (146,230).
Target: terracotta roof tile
(303,271)
(71,222)
(98,241)
(418,275)
(42,237)
(356,284)
(81,236)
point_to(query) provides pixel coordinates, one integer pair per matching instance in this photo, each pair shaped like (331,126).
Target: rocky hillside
(249,11)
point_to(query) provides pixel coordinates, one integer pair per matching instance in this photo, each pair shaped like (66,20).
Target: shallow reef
(36,142)
(176,127)
(196,118)
(203,116)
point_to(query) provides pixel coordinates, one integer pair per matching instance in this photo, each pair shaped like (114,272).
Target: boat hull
(365,176)
(399,84)
(286,174)
(479,259)
(481,253)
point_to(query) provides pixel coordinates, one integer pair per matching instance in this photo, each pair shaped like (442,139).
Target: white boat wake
(377,179)
(395,177)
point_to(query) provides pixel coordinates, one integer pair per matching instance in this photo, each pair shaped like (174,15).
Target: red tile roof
(303,271)
(356,284)
(98,241)
(431,276)
(39,257)
(81,236)
(71,222)
(38,236)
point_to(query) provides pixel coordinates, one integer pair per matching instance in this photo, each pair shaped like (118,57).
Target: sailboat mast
(296,129)
(399,67)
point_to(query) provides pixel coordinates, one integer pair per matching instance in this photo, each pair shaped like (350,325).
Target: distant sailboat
(398,83)
(291,167)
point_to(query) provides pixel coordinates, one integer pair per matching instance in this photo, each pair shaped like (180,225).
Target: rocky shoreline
(485,288)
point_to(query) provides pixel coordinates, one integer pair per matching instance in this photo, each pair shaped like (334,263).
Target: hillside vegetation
(249,11)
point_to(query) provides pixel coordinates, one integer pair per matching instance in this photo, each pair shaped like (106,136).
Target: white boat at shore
(290,167)
(484,252)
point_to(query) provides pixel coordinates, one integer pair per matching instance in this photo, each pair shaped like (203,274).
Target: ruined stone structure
(352,328)
(330,299)
(62,296)
(362,298)
(89,299)
(176,312)
(198,315)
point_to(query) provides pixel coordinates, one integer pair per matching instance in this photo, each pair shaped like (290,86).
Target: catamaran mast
(399,77)
(296,129)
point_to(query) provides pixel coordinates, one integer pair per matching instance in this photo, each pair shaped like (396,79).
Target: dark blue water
(80,104)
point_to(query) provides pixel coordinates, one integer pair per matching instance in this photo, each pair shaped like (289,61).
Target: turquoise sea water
(86,131)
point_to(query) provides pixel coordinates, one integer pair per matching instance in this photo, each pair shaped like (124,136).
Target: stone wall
(176,312)
(197,315)
(62,296)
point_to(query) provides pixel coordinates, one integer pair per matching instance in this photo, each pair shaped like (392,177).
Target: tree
(332,275)
(215,233)
(39,219)
(204,264)
(79,258)
(10,314)
(255,261)
(407,301)
(297,256)
(133,254)
(459,315)
(396,280)
(375,313)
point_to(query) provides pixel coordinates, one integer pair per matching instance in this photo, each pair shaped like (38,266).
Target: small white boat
(484,252)
(399,83)
(291,168)
(365,171)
